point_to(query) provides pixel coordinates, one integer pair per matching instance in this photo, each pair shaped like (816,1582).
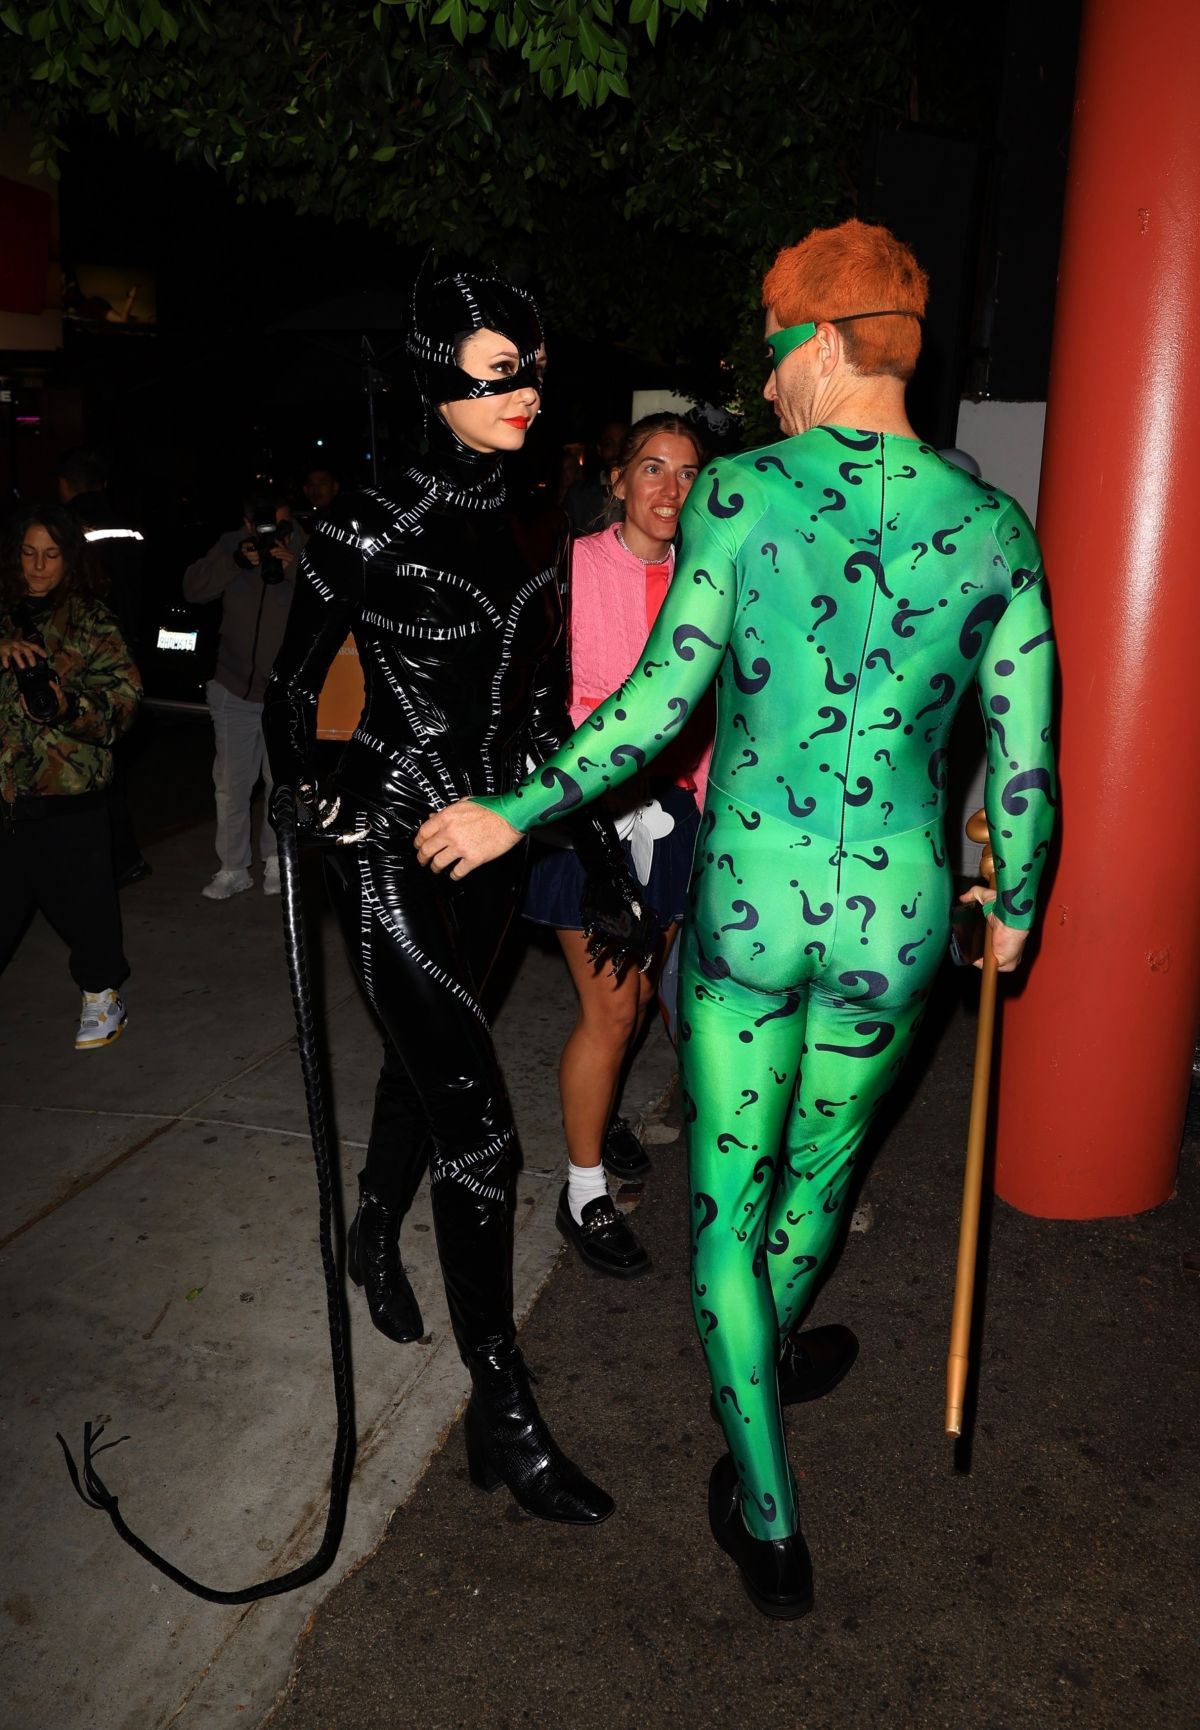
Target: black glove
(316,816)
(616,921)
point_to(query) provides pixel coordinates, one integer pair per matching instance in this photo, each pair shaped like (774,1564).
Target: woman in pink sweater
(618,580)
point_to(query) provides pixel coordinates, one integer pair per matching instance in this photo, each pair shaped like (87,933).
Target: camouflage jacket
(71,755)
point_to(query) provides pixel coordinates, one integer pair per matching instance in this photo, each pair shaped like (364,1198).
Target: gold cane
(968,1234)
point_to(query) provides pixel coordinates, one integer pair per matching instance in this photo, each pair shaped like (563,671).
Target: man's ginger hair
(856,267)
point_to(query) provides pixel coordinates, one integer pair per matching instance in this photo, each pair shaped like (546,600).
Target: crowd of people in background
(80,565)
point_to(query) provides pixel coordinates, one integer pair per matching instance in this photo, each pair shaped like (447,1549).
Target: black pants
(422,948)
(61,861)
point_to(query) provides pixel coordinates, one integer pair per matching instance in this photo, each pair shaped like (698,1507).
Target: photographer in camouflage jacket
(68,689)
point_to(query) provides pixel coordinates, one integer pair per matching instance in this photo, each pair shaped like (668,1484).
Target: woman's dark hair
(636,440)
(81,574)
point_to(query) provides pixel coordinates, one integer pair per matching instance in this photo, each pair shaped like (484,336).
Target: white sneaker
(225,884)
(102,1020)
(271,875)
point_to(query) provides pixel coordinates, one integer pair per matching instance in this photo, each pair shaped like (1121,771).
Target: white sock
(584,1184)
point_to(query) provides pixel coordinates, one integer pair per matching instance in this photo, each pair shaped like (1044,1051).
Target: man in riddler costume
(844,588)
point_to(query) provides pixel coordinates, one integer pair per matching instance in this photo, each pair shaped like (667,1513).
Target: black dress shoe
(373,1261)
(812,1363)
(623,1154)
(134,873)
(776,1572)
(603,1239)
(508,1443)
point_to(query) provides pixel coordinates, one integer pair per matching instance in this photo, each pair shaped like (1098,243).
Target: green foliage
(642,157)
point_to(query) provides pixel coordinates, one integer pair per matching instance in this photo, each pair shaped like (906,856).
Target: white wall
(669,402)
(1005,438)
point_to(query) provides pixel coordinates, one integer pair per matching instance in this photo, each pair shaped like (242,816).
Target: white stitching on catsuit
(419,729)
(361,737)
(423,633)
(348,537)
(458,1169)
(447,779)
(451,580)
(516,607)
(401,518)
(312,579)
(405,943)
(364,933)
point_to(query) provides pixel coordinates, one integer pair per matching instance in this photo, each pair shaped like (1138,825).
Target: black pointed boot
(373,1262)
(508,1443)
(506,1436)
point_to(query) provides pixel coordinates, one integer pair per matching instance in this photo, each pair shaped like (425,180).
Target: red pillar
(1094,1065)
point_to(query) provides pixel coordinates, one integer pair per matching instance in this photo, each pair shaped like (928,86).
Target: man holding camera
(253,572)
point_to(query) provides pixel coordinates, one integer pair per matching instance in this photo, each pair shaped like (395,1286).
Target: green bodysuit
(844,589)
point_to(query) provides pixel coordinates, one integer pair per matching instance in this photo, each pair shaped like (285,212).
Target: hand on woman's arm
(679,662)
(676,667)
(462,837)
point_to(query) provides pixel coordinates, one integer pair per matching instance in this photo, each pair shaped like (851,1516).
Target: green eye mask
(781,342)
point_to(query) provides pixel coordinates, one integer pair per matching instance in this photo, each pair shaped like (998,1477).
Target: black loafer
(603,1239)
(776,1572)
(813,1363)
(137,872)
(623,1154)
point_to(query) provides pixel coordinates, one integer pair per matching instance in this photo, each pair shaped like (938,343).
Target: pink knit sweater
(614,601)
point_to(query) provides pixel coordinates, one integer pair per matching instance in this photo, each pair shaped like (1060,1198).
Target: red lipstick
(517,420)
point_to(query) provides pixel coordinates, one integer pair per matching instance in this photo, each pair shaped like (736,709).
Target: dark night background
(256,353)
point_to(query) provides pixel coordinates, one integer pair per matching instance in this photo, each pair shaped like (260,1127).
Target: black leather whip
(89,1485)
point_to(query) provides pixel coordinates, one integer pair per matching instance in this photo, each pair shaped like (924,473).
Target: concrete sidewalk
(159,1269)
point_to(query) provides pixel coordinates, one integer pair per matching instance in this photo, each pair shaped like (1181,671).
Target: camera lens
(38,691)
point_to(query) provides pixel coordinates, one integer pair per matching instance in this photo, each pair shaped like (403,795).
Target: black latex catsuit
(460,636)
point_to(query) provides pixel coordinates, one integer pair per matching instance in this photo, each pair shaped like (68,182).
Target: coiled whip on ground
(89,1485)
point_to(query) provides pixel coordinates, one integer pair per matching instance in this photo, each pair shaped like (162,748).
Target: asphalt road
(1042,1577)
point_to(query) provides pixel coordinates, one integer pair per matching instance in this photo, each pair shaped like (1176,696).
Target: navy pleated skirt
(556,876)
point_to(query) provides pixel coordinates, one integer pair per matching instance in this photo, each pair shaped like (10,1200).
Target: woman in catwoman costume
(844,588)
(459,632)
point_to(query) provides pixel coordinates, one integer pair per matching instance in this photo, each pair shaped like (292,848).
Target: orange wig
(856,267)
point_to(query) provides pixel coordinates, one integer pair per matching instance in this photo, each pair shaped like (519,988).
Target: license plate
(184,641)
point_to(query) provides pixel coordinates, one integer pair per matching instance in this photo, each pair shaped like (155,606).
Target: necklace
(670,553)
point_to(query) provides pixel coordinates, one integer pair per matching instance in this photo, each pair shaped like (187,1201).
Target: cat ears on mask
(447,308)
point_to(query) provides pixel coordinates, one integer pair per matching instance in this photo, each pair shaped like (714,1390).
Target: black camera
(38,684)
(268,533)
